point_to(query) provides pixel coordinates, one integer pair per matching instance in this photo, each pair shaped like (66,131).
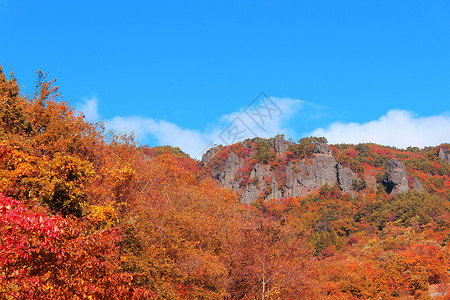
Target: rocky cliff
(276,168)
(444,153)
(395,179)
(266,181)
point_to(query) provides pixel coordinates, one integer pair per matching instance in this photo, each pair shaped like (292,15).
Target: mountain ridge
(275,168)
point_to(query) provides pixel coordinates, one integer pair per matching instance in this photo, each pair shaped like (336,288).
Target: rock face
(245,169)
(322,148)
(279,144)
(444,154)
(345,178)
(258,176)
(295,179)
(227,177)
(301,180)
(306,177)
(395,179)
(209,154)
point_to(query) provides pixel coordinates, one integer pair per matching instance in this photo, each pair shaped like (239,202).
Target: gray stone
(302,177)
(444,154)
(323,148)
(206,157)
(228,176)
(310,175)
(345,178)
(279,144)
(395,179)
(250,194)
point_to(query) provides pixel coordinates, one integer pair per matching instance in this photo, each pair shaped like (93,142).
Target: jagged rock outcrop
(258,176)
(307,176)
(262,184)
(299,178)
(345,178)
(206,157)
(279,144)
(323,148)
(264,169)
(444,154)
(395,179)
(228,175)
(250,194)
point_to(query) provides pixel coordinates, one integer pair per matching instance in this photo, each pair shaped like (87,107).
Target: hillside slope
(279,169)
(90,215)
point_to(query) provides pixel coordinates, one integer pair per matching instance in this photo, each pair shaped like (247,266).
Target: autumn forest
(90,214)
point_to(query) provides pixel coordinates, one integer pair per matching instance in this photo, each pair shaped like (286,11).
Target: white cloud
(89,107)
(190,141)
(264,118)
(398,128)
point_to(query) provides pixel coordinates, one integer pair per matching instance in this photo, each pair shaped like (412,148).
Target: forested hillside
(86,214)
(263,169)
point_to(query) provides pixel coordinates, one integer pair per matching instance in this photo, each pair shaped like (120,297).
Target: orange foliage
(95,216)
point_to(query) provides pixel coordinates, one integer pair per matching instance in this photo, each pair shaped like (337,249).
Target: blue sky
(180,72)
